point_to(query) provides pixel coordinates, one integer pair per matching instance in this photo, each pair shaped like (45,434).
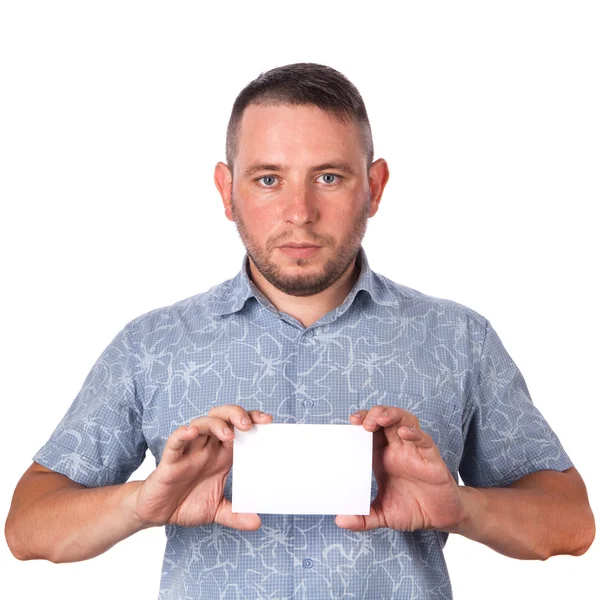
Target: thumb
(243,521)
(358,522)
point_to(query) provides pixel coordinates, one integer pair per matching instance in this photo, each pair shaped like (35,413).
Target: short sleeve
(100,441)
(505,435)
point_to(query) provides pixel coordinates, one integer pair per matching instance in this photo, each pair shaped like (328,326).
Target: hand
(416,489)
(186,488)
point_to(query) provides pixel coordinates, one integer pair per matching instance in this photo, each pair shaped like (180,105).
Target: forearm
(72,524)
(525,523)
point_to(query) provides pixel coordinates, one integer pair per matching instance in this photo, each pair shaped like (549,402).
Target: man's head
(299,153)
(302,84)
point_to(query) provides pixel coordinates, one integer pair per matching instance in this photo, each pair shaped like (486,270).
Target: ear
(224,183)
(379,174)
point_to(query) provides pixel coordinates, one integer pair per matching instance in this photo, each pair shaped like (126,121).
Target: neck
(307,309)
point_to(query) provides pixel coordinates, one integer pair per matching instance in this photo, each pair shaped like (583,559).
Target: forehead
(280,133)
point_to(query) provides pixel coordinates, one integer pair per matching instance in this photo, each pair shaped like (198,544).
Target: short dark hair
(302,84)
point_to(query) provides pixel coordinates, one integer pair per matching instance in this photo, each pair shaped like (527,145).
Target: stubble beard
(308,284)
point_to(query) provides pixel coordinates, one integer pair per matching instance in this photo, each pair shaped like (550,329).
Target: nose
(300,206)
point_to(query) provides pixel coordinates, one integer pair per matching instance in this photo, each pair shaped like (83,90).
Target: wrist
(128,505)
(471,501)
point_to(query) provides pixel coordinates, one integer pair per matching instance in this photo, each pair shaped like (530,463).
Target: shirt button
(308,563)
(310,333)
(308,403)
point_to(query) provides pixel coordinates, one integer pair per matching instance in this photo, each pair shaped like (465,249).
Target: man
(305,333)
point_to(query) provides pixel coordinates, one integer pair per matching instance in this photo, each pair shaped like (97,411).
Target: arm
(540,515)
(57,519)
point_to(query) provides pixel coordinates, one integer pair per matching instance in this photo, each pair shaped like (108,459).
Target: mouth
(295,250)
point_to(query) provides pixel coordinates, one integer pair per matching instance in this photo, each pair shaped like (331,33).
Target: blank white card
(302,469)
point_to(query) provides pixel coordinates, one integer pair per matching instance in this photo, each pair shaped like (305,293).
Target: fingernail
(246,421)
(226,430)
(369,422)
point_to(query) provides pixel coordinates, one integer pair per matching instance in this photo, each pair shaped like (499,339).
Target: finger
(357,418)
(418,437)
(394,419)
(212,426)
(258,416)
(369,421)
(393,415)
(242,521)
(385,416)
(359,522)
(423,442)
(233,414)
(181,441)
(177,442)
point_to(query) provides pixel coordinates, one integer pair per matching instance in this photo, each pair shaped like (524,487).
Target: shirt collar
(235,292)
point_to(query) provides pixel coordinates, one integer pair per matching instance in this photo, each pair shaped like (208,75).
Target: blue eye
(271,178)
(330,178)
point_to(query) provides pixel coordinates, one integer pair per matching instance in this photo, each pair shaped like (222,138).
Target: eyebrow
(336,165)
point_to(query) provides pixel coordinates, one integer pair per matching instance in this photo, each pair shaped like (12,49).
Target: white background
(112,117)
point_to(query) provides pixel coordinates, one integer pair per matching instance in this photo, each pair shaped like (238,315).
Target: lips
(293,250)
(301,245)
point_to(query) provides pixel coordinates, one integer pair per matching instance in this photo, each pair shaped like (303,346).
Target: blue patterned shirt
(385,344)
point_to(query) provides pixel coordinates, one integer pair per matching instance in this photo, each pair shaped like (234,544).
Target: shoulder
(435,319)
(445,327)
(188,313)
(417,302)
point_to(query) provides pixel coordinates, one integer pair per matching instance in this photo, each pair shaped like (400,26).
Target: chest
(315,375)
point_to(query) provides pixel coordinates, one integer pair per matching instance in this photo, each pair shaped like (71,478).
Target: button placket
(304,387)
